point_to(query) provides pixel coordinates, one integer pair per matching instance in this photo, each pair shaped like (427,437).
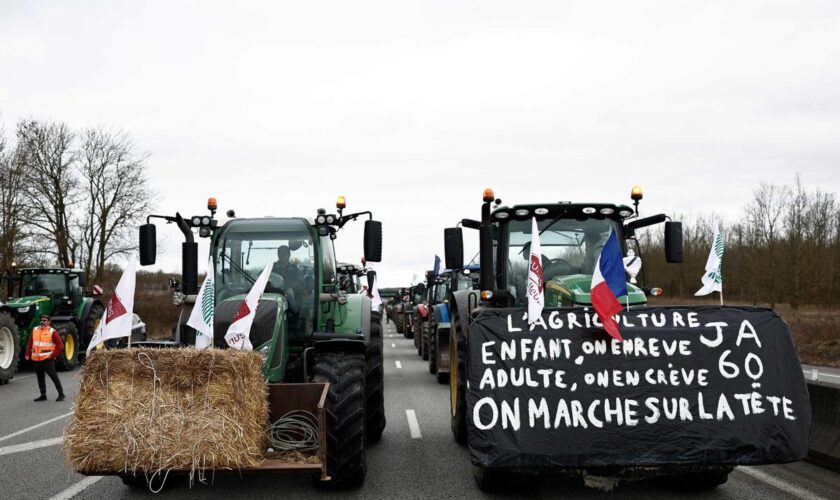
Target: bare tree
(764,213)
(13,207)
(117,195)
(47,159)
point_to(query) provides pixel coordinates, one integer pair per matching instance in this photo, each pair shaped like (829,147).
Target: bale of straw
(147,410)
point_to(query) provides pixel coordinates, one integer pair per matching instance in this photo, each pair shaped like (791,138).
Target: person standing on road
(43,349)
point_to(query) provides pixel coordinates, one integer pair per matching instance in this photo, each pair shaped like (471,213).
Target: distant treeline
(785,248)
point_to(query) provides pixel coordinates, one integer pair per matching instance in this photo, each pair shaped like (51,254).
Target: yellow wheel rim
(69,347)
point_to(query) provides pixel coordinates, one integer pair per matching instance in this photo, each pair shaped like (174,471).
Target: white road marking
(779,484)
(399,365)
(413,425)
(393,345)
(34,445)
(77,488)
(35,426)
(22,378)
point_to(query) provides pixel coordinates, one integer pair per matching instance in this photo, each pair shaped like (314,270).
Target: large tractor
(436,327)
(57,292)
(310,332)
(557,393)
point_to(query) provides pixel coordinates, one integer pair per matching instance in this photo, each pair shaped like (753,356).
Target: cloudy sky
(412,108)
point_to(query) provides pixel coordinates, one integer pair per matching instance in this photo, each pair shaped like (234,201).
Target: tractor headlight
(330,219)
(320,219)
(24,309)
(204,232)
(196,221)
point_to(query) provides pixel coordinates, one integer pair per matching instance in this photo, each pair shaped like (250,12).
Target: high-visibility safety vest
(42,343)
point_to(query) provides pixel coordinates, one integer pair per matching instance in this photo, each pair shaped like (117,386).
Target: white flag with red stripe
(116,322)
(536,295)
(240,328)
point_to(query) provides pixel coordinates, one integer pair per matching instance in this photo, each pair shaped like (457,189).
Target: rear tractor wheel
(374,383)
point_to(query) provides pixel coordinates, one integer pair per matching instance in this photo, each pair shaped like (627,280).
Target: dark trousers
(47,366)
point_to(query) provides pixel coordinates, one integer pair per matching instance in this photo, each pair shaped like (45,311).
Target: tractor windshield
(568,246)
(241,255)
(43,284)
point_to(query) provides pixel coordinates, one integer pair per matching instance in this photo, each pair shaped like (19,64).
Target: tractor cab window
(568,247)
(43,284)
(75,291)
(466,281)
(441,291)
(244,250)
(330,277)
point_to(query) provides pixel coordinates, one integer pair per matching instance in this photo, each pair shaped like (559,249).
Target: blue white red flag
(608,283)
(437,265)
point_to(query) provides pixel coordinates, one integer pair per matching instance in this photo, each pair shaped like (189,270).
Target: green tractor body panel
(26,311)
(574,290)
(241,248)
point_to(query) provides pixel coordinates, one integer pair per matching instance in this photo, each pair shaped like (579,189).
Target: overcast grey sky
(411,108)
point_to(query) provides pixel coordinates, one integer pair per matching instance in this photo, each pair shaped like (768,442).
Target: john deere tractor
(312,335)
(57,292)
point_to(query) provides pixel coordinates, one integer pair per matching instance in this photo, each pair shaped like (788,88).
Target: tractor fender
(422,310)
(441,313)
(341,343)
(357,319)
(462,300)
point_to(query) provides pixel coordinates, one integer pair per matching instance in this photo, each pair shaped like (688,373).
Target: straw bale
(168,409)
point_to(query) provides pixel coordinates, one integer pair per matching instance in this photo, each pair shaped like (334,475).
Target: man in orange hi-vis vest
(43,349)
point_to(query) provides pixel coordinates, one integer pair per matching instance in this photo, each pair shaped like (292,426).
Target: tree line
(69,196)
(784,248)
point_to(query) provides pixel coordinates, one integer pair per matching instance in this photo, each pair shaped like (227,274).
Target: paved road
(400,466)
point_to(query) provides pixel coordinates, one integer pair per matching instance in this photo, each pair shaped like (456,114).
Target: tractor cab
(61,286)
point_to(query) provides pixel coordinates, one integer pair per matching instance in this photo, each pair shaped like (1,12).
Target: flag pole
(721,296)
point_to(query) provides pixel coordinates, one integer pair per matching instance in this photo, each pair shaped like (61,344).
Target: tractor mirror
(371,279)
(673,242)
(148,244)
(373,241)
(453,243)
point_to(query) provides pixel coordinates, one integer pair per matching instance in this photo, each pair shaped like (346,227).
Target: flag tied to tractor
(201,317)
(608,284)
(536,295)
(240,328)
(116,322)
(713,278)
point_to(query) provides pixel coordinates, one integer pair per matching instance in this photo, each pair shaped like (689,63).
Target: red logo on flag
(115,309)
(243,311)
(536,268)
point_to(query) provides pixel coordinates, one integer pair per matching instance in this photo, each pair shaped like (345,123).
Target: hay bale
(160,409)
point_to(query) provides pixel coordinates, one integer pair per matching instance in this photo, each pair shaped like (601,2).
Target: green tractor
(57,292)
(310,332)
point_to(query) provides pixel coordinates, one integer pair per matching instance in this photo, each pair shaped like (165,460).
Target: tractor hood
(29,301)
(574,290)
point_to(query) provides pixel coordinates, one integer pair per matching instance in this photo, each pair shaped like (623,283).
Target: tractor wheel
(374,383)
(91,322)
(9,348)
(432,349)
(424,340)
(418,338)
(457,382)
(399,323)
(69,357)
(345,408)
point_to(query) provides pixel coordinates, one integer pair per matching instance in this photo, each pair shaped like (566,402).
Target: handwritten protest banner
(700,385)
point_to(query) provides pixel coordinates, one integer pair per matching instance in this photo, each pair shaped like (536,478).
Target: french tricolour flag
(608,282)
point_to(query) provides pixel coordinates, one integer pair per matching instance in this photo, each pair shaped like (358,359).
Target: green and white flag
(201,317)
(713,278)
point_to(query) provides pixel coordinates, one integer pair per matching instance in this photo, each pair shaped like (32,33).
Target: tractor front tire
(9,348)
(457,382)
(69,357)
(374,383)
(345,408)
(431,353)
(399,323)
